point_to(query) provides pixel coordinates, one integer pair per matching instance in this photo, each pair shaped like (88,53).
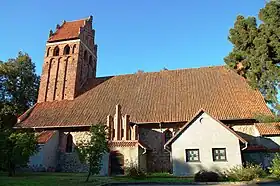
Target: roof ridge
(173,70)
(82,19)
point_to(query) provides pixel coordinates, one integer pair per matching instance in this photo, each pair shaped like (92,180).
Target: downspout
(246,146)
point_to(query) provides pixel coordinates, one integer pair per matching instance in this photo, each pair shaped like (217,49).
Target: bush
(135,172)
(275,166)
(247,173)
(207,176)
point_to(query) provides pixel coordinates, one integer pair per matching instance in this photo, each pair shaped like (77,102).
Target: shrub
(134,171)
(247,173)
(275,166)
(206,176)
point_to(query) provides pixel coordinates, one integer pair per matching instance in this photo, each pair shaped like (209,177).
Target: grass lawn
(48,179)
(77,179)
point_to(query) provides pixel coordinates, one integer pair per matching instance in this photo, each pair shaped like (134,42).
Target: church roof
(68,30)
(166,96)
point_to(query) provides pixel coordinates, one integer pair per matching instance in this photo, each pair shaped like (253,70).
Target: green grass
(78,179)
(46,179)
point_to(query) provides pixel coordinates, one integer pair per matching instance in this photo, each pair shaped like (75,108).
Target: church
(177,121)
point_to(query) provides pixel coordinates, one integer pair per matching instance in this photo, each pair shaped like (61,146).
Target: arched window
(85,56)
(66,50)
(167,135)
(69,143)
(56,51)
(74,49)
(48,51)
(90,60)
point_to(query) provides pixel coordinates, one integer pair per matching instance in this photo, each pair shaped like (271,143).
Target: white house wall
(204,136)
(50,151)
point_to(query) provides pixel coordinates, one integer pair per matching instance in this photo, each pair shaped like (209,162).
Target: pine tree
(256,51)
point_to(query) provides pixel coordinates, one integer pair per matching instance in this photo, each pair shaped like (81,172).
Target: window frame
(187,157)
(219,155)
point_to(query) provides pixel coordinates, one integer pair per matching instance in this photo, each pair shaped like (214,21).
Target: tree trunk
(11,169)
(88,176)
(89,173)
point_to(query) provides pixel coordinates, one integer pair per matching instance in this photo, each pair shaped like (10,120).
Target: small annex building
(204,143)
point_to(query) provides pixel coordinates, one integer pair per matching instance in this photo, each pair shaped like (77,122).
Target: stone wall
(158,159)
(70,162)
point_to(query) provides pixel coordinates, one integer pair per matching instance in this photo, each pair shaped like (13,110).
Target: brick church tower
(70,60)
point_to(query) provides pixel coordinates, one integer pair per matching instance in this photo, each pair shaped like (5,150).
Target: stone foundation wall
(158,159)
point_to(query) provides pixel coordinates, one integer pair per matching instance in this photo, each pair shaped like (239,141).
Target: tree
(18,84)
(92,151)
(16,148)
(18,91)
(256,51)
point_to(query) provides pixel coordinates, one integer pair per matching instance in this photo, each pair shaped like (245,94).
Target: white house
(204,143)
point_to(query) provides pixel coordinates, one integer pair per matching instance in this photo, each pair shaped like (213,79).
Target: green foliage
(256,51)
(266,118)
(275,166)
(18,88)
(18,91)
(135,172)
(247,173)
(91,151)
(16,148)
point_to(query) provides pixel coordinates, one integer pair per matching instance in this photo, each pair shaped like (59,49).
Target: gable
(167,96)
(204,127)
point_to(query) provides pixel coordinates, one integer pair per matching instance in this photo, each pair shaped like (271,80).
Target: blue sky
(131,35)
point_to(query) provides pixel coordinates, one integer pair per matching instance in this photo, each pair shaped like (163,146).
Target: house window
(69,143)
(219,154)
(167,135)
(192,155)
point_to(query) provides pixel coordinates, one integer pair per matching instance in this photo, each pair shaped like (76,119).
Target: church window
(74,49)
(48,51)
(85,56)
(167,135)
(69,143)
(66,50)
(56,51)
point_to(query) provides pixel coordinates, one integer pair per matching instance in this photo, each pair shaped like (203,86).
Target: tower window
(66,50)
(69,143)
(56,51)
(48,51)
(74,49)
(85,56)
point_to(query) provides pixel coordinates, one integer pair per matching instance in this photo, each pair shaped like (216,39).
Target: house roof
(268,128)
(187,125)
(166,96)
(45,136)
(68,30)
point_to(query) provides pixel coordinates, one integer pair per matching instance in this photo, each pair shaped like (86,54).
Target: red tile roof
(268,128)
(45,136)
(166,96)
(68,30)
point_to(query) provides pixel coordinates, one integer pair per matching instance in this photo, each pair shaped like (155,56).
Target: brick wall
(64,74)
